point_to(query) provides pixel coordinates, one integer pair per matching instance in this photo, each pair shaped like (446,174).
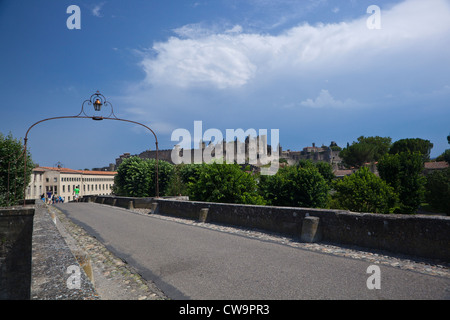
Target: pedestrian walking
(49,197)
(76,191)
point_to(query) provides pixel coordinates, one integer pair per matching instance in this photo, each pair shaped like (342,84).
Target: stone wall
(417,235)
(16,231)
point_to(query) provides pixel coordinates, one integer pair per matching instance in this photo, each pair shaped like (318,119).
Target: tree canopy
(403,172)
(296,186)
(226,183)
(438,190)
(12,168)
(412,145)
(363,191)
(136,177)
(365,150)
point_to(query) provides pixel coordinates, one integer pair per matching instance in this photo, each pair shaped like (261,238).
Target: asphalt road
(192,262)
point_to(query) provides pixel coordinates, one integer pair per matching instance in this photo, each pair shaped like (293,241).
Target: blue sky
(311,69)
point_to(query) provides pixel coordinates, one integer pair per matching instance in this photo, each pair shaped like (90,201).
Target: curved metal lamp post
(97,100)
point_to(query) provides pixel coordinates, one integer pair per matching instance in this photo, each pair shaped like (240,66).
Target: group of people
(51,198)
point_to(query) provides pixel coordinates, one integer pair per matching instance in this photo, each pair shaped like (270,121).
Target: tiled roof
(67,170)
(340,173)
(436,165)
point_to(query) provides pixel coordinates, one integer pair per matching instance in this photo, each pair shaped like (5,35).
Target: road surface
(193,262)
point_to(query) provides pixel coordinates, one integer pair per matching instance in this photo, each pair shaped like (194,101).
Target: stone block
(203,215)
(311,230)
(153,207)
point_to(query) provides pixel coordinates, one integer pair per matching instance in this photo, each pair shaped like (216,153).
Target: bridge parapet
(417,235)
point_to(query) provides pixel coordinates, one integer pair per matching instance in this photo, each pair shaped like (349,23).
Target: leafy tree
(225,183)
(382,145)
(305,163)
(182,175)
(357,154)
(189,172)
(297,186)
(445,156)
(367,149)
(402,171)
(438,190)
(363,191)
(12,165)
(136,177)
(325,169)
(412,145)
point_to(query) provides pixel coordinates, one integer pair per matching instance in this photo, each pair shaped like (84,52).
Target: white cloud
(235,29)
(191,63)
(206,57)
(326,100)
(96,9)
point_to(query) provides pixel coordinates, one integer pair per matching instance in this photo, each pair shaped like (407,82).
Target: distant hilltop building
(328,154)
(249,147)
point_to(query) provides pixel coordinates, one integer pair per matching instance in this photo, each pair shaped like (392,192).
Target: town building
(62,182)
(430,167)
(247,148)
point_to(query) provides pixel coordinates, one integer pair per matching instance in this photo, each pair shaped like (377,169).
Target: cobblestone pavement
(51,258)
(115,280)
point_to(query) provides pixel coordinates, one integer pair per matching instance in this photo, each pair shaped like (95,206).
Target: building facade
(62,182)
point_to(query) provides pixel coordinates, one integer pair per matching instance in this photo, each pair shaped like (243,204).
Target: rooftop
(436,165)
(67,170)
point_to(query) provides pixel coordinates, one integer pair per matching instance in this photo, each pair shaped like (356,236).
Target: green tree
(182,175)
(363,191)
(412,145)
(325,169)
(403,172)
(136,177)
(438,190)
(225,183)
(190,172)
(445,156)
(297,186)
(12,169)
(366,149)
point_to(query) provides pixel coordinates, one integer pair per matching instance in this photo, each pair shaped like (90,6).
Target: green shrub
(225,183)
(403,172)
(438,190)
(136,177)
(363,191)
(295,186)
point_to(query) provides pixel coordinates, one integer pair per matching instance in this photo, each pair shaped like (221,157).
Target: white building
(63,181)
